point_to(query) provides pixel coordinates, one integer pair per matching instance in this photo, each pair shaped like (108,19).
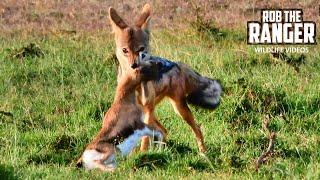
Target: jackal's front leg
(152,121)
(147,99)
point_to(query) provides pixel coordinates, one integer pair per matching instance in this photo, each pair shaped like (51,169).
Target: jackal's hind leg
(181,107)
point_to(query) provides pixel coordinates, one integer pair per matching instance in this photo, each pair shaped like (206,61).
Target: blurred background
(91,15)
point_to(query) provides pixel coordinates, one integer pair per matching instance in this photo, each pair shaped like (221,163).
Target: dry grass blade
(272,137)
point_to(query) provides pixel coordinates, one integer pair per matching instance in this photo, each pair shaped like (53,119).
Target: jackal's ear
(144,19)
(116,21)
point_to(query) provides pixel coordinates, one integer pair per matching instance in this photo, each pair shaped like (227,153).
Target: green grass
(52,105)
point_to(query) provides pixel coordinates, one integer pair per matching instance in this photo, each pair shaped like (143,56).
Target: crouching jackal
(123,124)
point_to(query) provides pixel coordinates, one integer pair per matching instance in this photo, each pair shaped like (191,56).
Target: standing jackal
(123,124)
(177,82)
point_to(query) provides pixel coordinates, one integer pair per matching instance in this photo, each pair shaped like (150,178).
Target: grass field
(53,95)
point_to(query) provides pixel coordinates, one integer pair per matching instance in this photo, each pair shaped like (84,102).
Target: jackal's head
(130,39)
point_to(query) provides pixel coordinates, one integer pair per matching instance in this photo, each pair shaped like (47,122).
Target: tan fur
(124,115)
(175,84)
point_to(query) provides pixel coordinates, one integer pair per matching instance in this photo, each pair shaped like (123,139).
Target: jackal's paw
(202,149)
(160,139)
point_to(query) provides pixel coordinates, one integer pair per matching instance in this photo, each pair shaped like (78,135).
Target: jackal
(179,82)
(123,124)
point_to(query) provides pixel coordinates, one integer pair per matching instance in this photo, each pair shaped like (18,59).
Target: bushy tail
(207,92)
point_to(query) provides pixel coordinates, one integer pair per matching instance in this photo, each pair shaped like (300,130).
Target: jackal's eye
(125,50)
(141,49)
